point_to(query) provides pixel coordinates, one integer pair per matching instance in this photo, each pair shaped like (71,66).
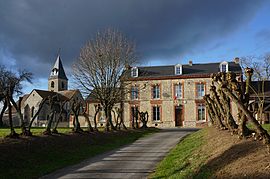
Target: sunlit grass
(184,159)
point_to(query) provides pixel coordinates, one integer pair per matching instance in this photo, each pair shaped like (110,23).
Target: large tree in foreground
(100,66)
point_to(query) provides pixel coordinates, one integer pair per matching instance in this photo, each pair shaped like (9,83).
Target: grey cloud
(33,30)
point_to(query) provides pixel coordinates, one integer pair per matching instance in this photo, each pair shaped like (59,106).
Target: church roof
(45,94)
(68,93)
(58,70)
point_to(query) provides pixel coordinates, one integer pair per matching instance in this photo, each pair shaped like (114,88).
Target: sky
(166,32)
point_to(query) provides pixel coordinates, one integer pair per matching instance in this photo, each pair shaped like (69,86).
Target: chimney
(190,62)
(236,60)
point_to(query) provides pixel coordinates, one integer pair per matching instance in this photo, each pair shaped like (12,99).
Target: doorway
(178,111)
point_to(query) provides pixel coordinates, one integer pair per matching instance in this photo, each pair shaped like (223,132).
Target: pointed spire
(58,69)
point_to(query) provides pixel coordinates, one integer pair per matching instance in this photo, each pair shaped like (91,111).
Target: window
(155,92)
(52,84)
(156,113)
(178,69)
(201,112)
(178,91)
(63,85)
(134,93)
(224,66)
(134,72)
(200,90)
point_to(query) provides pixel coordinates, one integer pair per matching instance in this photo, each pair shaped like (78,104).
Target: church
(57,85)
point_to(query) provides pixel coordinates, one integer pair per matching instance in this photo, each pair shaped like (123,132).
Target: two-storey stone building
(173,95)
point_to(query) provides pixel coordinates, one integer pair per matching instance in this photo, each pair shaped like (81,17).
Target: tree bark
(263,133)
(12,134)
(19,113)
(2,113)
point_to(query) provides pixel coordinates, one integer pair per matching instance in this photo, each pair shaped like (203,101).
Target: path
(136,160)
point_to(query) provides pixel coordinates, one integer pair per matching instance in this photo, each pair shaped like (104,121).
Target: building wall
(167,102)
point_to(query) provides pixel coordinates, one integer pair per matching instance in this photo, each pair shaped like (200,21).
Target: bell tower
(58,80)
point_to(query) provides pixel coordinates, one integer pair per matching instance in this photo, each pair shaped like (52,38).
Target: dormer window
(178,69)
(224,67)
(134,71)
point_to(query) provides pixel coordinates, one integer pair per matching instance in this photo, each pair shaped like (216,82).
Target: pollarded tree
(100,66)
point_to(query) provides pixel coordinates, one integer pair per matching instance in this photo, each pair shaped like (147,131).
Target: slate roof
(68,93)
(194,69)
(60,69)
(45,94)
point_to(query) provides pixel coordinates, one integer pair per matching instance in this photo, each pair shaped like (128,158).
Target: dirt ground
(230,157)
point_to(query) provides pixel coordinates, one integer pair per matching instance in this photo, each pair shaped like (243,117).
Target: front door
(178,115)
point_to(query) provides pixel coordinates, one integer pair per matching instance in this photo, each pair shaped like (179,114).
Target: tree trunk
(28,131)
(2,113)
(90,128)
(95,120)
(225,101)
(12,134)
(210,110)
(19,113)
(218,116)
(219,106)
(49,125)
(263,133)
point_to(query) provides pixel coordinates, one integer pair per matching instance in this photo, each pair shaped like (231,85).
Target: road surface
(136,160)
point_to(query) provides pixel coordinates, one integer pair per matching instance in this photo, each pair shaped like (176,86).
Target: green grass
(37,160)
(184,160)
(35,130)
(265,126)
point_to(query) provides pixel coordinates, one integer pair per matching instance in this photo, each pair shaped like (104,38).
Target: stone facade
(168,103)
(186,110)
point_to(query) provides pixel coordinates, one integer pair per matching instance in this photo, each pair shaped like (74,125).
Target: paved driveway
(136,160)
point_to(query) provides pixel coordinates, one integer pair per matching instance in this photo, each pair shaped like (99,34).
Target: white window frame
(201,107)
(221,66)
(177,89)
(134,71)
(156,113)
(201,90)
(178,69)
(156,89)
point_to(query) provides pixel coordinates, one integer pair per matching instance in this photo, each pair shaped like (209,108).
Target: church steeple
(58,80)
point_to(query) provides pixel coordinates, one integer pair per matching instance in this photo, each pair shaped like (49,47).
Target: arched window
(52,84)
(32,111)
(63,85)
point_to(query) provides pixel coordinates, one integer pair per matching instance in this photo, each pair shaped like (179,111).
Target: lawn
(34,157)
(35,130)
(188,158)
(181,161)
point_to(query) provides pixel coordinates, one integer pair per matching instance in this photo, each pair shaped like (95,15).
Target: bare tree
(100,66)
(11,85)
(260,66)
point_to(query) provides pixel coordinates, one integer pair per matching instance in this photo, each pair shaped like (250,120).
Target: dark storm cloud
(31,31)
